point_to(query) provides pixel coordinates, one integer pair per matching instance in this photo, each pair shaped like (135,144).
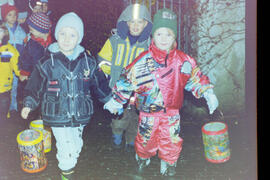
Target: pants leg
(120,123)
(4,104)
(14,105)
(170,143)
(146,142)
(132,128)
(159,131)
(69,144)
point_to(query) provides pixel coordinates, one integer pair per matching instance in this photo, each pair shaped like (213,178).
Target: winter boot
(68,175)
(142,163)
(167,169)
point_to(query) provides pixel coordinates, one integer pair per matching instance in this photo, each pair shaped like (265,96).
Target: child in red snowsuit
(158,77)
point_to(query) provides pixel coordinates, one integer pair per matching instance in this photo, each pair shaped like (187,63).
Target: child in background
(45,7)
(22,6)
(63,82)
(8,64)
(158,77)
(2,2)
(39,26)
(35,6)
(36,45)
(16,36)
(131,38)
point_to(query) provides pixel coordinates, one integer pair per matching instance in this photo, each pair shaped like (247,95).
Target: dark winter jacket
(33,51)
(65,89)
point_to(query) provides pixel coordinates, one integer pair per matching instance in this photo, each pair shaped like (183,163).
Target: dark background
(99,17)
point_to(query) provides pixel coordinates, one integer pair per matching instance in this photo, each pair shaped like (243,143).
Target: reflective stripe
(139,51)
(131,58)
(127,55)
(119,55)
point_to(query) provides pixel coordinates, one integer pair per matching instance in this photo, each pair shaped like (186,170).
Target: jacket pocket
(51,102)
(84,107)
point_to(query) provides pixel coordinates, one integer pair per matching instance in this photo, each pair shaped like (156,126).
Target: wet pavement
(98,161)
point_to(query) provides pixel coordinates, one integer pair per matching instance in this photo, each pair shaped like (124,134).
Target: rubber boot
(142,164)
(68,175)
(167,169)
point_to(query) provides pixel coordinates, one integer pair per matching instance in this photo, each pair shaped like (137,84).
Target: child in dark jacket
(63,82)
(36,44)
(40,38)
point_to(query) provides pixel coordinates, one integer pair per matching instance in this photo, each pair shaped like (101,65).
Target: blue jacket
(16,36)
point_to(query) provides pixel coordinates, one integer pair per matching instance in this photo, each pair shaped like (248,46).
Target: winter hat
(40,22)
(6,8)
(165,18)
(44,1)
(70,20)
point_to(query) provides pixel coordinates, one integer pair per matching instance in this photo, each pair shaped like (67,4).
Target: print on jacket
(160,79)
(146,128)
(174,122)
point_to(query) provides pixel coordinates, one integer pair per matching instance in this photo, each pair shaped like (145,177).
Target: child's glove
(114,107)
(25,111)
(211,100)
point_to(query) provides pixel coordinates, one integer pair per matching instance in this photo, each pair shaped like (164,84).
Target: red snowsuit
(158,80)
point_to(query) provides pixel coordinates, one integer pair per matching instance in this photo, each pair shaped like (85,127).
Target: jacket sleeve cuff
(25,73)
(30,102)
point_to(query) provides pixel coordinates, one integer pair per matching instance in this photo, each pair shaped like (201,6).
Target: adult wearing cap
(158,77)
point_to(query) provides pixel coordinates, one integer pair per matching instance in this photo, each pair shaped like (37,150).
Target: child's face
(136,26)
(37,8)
(36,33)
(164,38)
(11,17)
(67,40)
(21,20)
(44,7)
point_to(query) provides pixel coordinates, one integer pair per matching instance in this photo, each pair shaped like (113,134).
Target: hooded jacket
(65,88)
(117,49)
(65,85)
(159,79)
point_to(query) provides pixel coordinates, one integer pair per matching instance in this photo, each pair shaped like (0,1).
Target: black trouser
(5,100)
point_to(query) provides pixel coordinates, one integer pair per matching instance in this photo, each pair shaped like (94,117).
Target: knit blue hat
(40,22)
(70,20)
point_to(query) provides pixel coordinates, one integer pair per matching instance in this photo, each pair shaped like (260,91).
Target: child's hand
(211,100)
(25,111)
(22,77)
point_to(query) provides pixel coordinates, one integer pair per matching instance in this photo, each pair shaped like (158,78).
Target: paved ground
(98,161)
